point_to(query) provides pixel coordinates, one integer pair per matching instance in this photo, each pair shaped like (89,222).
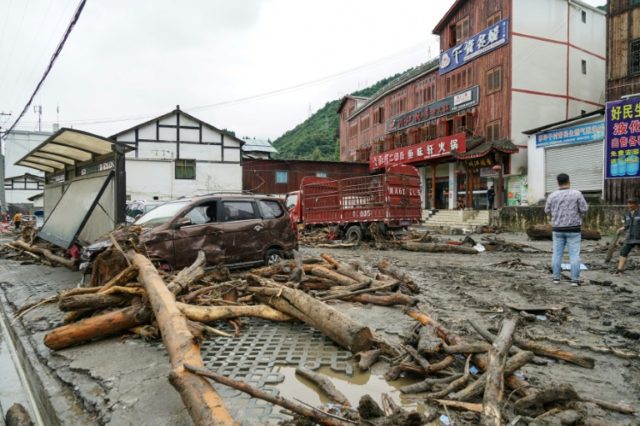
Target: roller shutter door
(583,164)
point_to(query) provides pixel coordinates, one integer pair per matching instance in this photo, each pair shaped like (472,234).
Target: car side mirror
(183,221)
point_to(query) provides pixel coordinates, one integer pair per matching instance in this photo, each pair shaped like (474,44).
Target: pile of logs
(497,393)
(544,232)
(127,294)
(24,250)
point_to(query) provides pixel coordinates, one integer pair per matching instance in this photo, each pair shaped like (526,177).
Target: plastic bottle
(622,163)
(613,167)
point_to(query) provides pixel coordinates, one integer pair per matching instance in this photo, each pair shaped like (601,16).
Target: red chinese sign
(417,153)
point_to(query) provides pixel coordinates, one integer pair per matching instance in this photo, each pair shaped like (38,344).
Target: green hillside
(316,138)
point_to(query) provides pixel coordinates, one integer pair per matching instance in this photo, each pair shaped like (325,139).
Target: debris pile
(24,250)
(482,377)
(127,294)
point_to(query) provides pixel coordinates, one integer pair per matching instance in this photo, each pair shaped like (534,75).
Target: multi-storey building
(505,66)
(623,77)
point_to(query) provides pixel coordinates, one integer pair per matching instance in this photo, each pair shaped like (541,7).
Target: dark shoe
(575,283)
(619,273)
(556,280)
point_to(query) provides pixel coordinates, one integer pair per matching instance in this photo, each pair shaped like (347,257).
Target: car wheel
(273,256)
(353,234)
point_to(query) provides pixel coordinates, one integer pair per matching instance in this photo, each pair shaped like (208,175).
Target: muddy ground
(604,311)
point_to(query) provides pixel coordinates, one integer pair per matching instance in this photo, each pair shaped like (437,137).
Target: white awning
(67,147)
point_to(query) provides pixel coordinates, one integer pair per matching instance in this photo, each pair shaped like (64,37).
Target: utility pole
(38,110)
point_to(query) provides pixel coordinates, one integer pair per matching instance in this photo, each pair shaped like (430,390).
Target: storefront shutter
(582,162)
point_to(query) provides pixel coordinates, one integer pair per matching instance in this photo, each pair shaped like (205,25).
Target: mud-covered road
(603,313)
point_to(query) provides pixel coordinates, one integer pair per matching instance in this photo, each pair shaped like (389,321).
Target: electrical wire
(55,55)
(259,96)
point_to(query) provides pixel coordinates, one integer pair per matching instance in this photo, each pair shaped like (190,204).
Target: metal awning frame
(69,147)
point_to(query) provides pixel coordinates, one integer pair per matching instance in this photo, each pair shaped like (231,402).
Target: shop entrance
(442,193)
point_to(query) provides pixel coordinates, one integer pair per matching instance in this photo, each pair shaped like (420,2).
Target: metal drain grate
(252,358)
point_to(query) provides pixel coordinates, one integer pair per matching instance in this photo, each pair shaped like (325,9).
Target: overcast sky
(127,61)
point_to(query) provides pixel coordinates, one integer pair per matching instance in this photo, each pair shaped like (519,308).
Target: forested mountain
(316,138)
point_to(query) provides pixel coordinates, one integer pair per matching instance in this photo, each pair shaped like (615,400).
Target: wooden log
(385,299)
(544,232)
(612,246)
(452,339)
(325,385)
(494,388)
(316,415)
(427,384)
(554,352)
(203,403)
(468,348)
(490,337)
(93,301)
(476,408)
(96,327)
(340,328)
(436,248)
(339,279)
(386,267)
(455,384)
(188,275)
(69,263)
(367,358)
(125,276)
(428,341)
(529,405)
(349,294)
(475,389)
(434,367)
(209,314)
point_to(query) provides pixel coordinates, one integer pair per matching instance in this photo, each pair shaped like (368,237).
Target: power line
(263,95)
(55,55)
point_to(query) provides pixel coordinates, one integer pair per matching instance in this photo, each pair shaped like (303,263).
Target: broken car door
(197,230)
(243,231)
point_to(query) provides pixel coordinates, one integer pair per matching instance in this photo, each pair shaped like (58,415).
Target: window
(364,123)
(584,16)
(353,130)
(459,31)
(494,80)
(204,213)
(378,115)
(634,57)
(493,19)
(238,210)
(185,169)
(270,209)
(584,66)
(321,174)
(493,130)
(282,176)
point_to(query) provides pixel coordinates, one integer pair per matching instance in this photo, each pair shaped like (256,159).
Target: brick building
(505,66)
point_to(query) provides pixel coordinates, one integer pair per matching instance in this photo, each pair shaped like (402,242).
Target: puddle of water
(353,387)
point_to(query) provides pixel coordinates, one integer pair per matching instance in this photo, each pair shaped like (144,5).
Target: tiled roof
(478,147)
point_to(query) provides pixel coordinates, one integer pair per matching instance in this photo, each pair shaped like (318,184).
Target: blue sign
(485,41)
(622,147)
(584,133)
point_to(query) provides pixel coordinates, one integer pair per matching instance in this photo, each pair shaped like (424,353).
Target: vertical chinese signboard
(622,147)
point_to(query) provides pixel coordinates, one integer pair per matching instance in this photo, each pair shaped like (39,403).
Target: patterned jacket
(566,207)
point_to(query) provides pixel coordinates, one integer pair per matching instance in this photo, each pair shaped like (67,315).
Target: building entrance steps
(454,219)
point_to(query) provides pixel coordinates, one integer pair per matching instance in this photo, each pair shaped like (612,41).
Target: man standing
(491,195)
(632,226)
(566,206)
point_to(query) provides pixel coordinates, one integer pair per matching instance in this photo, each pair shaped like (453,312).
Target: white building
(20,183)
(558,52)
(575,147)
(179,155)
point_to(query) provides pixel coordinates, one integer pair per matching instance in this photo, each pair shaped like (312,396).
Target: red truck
(391,200)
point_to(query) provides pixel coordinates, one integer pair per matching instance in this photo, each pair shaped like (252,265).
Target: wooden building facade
(623,76)
(505,66)
(279,177)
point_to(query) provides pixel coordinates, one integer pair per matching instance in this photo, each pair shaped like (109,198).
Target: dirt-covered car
(237,231)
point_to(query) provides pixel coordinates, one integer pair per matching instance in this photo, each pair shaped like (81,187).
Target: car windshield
(161,214)
(292,200)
